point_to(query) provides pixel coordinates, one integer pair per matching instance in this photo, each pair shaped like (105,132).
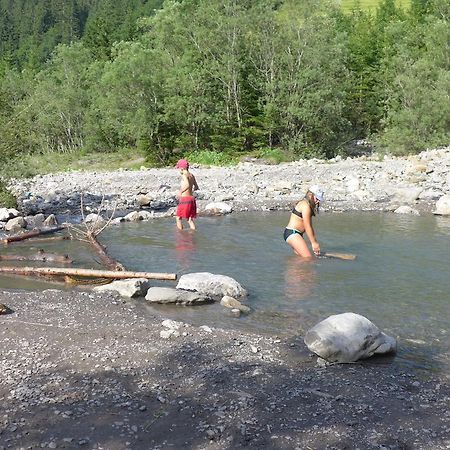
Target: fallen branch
(346,256)
(89,273)
(90,235)
(41,255)
(31,234)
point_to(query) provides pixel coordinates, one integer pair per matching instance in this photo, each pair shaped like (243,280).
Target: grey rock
(16,224)
(136,287)
(348,337)
(50,221)
(175,296)
(211,284)
(230,302)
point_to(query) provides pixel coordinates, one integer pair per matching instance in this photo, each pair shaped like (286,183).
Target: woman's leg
(299,246)
(179,223)
(191,223)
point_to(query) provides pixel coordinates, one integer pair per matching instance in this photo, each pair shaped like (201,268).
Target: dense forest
(299,77)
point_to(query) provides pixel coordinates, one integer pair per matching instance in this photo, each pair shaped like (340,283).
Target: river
(400,279)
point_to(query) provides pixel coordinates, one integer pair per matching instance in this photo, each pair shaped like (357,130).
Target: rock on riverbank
(86,370)
(363,183)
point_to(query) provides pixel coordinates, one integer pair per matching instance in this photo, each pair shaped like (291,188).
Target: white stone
(172,324)
(348,337)
(407,195)
(407,210)
(353,184)
(211,284)
(443,206)
(167,334)
(135,287)
(219,207)
(133,217)
(5,215)
(145,215)
(94,218)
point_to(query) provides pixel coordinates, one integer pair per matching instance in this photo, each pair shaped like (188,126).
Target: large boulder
(176,296)
(135,287)
(443,206)
(348,337)
(211,284)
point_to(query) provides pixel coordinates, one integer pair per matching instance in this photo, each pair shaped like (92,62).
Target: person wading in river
(187,208)
(300,222)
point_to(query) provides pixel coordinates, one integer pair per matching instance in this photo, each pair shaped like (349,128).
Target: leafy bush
(209,157)
(7,200)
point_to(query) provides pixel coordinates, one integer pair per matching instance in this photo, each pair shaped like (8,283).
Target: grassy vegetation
(365,5)
(53,162)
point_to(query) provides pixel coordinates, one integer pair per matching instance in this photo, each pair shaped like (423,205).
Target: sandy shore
(84,370)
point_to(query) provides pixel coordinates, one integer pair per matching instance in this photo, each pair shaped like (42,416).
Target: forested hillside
(295,77)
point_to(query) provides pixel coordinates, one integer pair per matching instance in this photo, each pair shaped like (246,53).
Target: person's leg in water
(179,223)
(191,223)
(299,246)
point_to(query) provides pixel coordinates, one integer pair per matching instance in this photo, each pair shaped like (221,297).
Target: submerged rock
(407,210)
(347,338)
(230,302)
(176,296)
(136,287)
(211,284)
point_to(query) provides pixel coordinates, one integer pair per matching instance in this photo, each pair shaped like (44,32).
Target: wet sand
(83,370)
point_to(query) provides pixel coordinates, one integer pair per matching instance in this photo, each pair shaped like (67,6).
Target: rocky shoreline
(369,183)
(87,370)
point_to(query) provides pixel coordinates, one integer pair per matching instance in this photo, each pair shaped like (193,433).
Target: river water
(400,279)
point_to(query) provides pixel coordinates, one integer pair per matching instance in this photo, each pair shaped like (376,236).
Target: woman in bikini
(300,222)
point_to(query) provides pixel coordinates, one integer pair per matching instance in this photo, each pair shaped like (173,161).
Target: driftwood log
(31,234)
(89,273)
(346,256)
(109,262)
(40,255)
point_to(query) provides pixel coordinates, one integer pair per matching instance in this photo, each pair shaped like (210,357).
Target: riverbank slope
(365,183)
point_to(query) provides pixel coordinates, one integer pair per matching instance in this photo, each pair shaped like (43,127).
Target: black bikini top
(299,214)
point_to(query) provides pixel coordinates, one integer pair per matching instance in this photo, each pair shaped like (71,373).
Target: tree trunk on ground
(89,273)
(39,256)
(31,234)
(109,262)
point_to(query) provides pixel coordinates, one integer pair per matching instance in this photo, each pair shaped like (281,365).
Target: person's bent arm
(307,221)
(184,186)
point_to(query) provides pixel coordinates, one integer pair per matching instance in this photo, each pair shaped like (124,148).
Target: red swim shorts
(187,208)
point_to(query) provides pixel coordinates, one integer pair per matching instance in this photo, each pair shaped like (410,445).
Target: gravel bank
(364,183)
(83,370)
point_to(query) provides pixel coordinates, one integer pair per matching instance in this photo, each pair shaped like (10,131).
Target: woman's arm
(307,221)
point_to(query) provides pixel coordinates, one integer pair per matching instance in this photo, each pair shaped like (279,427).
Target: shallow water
(400,279)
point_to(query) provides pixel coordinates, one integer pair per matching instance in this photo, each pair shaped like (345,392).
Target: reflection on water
(185,245)
(300,278)
(400,279)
